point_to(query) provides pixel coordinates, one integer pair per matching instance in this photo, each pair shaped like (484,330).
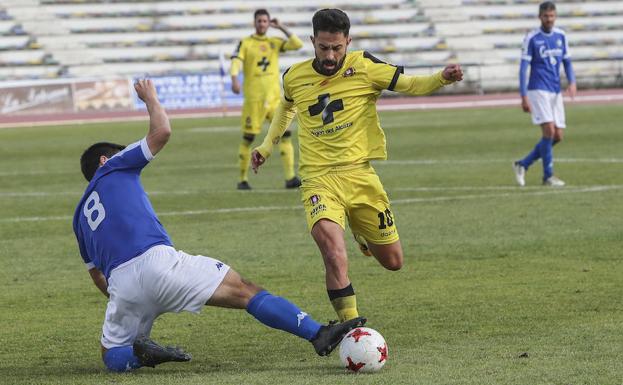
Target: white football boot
(520,173)
(553,182)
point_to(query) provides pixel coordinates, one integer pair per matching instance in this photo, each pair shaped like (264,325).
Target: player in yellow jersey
(334,98)
(258,57)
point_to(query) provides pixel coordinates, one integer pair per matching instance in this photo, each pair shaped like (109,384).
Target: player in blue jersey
(544,49)
(131,259)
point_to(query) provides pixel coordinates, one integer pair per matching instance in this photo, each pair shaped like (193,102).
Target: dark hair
(259,12)
(331,20)
(546,6)
(90,159)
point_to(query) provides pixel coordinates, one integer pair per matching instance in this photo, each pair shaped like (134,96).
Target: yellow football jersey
(337,117)
(259,56)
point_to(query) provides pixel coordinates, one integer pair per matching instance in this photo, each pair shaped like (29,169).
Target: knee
(549,131)
(392,261)
(247,290)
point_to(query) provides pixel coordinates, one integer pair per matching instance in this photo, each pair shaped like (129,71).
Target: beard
(319,65)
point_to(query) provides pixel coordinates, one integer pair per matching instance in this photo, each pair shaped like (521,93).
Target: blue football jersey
(545,52)
(114,221)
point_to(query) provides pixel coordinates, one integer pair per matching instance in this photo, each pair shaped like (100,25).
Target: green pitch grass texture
(500,285)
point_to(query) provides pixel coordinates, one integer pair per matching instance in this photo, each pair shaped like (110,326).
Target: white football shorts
(161,280)
(547,107)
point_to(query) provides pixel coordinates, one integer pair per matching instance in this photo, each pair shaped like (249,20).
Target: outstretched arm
(159,126)
(281,121)
(423,85)
(99,280)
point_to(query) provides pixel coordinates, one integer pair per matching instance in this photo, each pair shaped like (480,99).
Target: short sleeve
(136,155)
(380,74)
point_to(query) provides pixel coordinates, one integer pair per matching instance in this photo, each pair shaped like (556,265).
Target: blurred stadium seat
(101,38)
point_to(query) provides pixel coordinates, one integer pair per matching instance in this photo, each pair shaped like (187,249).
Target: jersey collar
(550,33)
(259,37)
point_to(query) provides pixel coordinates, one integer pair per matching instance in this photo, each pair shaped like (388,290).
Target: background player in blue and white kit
(131,259)
(544,49)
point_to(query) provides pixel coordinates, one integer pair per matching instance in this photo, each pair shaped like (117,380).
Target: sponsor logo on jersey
(331,130)
(325,108)
(263,63)
(550,54)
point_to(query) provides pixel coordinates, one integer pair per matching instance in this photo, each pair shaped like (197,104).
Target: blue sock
(532,157)
(279,313)
(121,359)
(547,157)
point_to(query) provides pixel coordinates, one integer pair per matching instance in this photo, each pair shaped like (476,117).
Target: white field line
(391,162)
(43,194)
(543,191)
(490,103)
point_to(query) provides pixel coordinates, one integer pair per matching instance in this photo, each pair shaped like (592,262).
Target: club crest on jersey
(272,45)
(349,72)
(559,43)
(314,199)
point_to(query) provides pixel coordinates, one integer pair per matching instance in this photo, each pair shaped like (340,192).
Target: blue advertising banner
(210,90)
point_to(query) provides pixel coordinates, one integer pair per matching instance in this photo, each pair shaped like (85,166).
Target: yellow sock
(287,157)
(345,307)
(244,155)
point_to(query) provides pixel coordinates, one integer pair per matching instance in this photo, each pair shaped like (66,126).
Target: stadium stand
(86,38)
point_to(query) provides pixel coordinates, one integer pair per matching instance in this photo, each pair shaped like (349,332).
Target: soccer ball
(363,350)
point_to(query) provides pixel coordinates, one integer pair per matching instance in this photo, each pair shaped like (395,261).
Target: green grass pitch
(501,285)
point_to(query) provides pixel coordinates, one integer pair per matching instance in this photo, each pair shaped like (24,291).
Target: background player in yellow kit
(334,98)
(258,56)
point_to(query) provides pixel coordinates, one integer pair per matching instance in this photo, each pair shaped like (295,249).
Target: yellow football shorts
(254,113)
(354,193)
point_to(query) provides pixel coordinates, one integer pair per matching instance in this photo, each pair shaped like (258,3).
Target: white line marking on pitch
(544,191)
(31,194)
(392,162)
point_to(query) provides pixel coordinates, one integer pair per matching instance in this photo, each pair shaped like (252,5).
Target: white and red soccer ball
(363,350)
